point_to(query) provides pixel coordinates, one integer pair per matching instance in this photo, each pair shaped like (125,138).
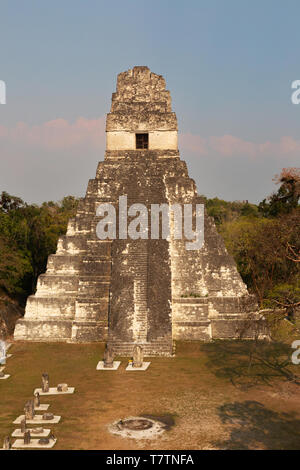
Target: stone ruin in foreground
(128,292)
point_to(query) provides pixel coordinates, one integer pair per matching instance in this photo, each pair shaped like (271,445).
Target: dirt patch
(167,420)
(137,427)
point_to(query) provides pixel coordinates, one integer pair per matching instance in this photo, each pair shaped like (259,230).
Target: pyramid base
(60,331)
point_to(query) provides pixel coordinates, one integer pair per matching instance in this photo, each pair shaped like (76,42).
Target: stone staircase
(140,292)
(162,346)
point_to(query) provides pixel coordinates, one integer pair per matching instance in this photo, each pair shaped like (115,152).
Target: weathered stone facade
(144,291)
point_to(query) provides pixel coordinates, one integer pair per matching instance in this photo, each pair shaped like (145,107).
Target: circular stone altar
(137,427)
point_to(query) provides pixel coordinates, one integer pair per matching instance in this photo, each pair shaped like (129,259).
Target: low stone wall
(200,330)
(43,330)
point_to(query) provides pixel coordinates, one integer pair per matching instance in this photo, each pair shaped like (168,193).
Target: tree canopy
(28,234)
(264,239)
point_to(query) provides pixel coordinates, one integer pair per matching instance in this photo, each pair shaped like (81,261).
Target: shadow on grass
(166,419)
(257,427)
(248,363)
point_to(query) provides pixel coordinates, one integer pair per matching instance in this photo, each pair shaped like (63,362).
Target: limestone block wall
(141,104)
(141,276)
(145,291)
(125,140)
(206,286)
(72,297)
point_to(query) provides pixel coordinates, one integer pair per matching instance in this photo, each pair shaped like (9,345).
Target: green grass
(216,401)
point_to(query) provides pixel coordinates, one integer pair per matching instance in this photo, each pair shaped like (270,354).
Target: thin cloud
(57,134)
(193,143)
(229,145)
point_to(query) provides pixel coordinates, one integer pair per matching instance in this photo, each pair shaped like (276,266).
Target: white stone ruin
(61,389)
(29,410)
(39,419)
(3,376)
(38,406)
(36,432)
(138,359)
(31,418)
(42,443)
(108,362)
(7,443)
(3,357)
(26,437)
(2,352)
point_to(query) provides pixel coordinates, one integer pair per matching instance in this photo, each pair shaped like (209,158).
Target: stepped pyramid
(142,291)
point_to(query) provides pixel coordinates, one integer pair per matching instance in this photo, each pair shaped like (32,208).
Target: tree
(9,203)
(287,197)
(259,247)
(28,234)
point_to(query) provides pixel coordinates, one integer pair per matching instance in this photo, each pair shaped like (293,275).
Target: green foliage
(259,238)
(286,199)
(259,247)
(15,268)
(225,211)
(264,240)
(281,330)
(28,234)
(285,296)
(9,203)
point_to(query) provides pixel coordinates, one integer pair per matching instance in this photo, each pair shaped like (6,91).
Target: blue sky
(228,64)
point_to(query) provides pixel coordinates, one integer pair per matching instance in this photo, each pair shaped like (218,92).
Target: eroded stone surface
(29,410)
(138,356)
(7,443)
(38,419)
(37,400)
(53,391)
(137,427)
(45,383)
(23,425)
(36,432)
(34,444)
(108,357)
(101,366)
(27,437)
(142,291)
(62,387)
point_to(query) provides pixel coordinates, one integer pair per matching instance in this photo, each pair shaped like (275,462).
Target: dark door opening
(141,141)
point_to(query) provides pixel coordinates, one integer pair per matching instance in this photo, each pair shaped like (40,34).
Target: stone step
(150,346)
(163,347)
(48,284)
(148,352)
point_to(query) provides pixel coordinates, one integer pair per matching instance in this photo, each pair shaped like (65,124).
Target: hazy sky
(229,65)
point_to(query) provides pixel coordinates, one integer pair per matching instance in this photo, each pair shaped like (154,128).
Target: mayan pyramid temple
(148,292)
